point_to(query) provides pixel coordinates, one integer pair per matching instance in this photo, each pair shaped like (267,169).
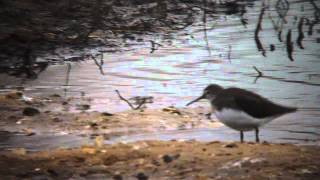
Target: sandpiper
(240,109)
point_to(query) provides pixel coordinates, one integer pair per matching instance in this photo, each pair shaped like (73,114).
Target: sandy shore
(166,160)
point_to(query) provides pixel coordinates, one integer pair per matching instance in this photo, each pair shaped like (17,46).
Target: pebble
(231,145)
(14,95)
(106,114)
(167,159)
(82,107)
(30,111)
(142,176)
(117,177)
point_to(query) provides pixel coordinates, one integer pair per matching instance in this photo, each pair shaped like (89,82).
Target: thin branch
(154,46)
(124,99)
(99,65)
(140,104)
(260,74)
(128,102)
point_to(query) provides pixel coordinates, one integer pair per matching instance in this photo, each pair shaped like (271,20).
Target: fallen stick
(128,102)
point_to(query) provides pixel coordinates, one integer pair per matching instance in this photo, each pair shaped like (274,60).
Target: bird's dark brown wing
(256,107)
(253,104)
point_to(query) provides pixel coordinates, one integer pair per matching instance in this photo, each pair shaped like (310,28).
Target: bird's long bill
(199,98)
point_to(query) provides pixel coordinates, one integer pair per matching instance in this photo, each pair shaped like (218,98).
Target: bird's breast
(238,120)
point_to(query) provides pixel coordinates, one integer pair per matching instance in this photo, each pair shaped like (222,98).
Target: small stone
(155,162)
(56,119)
(28,132)
(106,114)
(142,176)
(19,151)
(306,171)
(37,169)
(88,150)
(117,177)
(52,172)
(213,142)
(99,141)
(231,145)
(83,107)
(167,159)
(93,125)
(30,111)
(14,95)
(172,110)
(55,95)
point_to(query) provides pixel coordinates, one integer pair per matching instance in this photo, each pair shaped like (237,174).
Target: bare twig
(154,46)
(130,104)
(124,99)
(99,64)
(140,104)
(260,74)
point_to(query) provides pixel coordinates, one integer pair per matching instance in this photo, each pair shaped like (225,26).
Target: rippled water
(186,63)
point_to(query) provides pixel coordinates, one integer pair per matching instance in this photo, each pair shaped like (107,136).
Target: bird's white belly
(240,120)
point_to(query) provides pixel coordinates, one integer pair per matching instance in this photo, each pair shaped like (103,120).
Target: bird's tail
(291,109)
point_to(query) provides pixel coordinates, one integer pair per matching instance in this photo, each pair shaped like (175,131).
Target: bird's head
(209,93)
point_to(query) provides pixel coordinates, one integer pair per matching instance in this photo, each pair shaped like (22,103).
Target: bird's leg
(241,136)
(257,135)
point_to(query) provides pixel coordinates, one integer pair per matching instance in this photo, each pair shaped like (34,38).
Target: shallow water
(191,59)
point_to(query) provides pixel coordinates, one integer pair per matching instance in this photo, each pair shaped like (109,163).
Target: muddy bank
(166,160)
(57,115)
